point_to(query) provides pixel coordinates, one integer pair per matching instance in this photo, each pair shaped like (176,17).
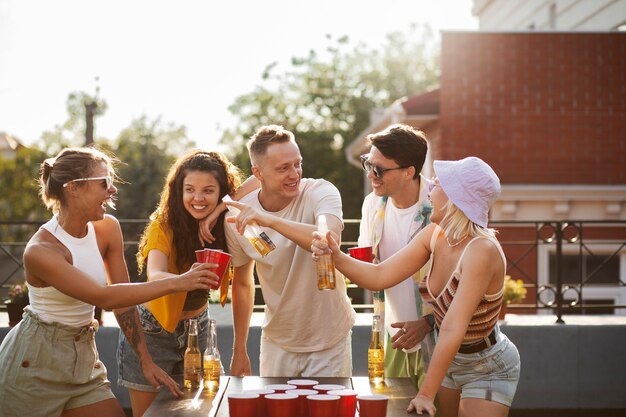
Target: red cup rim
(281,396)
(323,397)
(372,397)
(242,395)
(343,392)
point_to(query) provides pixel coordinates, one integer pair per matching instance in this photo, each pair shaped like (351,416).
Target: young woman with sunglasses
(74,262)
(475,368)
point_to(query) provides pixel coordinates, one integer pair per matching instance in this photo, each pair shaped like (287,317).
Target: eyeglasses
(432,184)
(378,171)
(108,179)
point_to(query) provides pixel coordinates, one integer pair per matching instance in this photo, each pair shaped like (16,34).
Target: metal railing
(544,254)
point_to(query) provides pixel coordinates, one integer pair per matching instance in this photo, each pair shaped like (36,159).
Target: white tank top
(51,304)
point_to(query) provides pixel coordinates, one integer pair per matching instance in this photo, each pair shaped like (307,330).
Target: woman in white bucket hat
(475,368)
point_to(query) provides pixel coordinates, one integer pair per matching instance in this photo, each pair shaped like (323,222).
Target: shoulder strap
(433,238)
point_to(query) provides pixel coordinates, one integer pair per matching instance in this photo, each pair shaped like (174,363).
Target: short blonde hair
(456,225)
(264,137)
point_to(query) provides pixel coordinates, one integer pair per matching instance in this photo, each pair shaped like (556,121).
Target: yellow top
(167,309)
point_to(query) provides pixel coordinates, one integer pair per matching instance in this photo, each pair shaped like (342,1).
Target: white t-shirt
(399,299)
(298,316)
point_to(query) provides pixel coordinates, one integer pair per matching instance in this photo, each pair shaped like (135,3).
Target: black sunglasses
(378,171)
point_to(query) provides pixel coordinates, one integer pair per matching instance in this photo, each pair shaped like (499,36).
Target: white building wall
(576,15)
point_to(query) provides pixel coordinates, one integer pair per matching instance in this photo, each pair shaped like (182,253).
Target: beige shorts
(50,367)
(336,361)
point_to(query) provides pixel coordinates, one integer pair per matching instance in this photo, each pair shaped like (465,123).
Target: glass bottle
(326,274)
(259,240)
(193,358)
(376,353)
(212,363)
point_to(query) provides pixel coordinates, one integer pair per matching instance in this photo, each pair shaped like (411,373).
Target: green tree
(326,97)
(146,148)
(20,199)
(72,131)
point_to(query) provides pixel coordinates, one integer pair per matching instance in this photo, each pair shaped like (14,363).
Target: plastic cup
(242,404)
(303,383)
(347,402)
(372,405)
(262,410)
(362,253)
(281,405)
(280,388)
(303,407)
(222,259)
(322,405)
(324,388)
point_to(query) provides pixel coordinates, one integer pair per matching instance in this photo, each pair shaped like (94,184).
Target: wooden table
(199,402)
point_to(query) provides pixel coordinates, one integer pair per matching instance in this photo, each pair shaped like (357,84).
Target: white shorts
(335,361)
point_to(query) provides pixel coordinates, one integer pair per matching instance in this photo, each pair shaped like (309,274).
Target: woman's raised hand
(199,277)
(323,245)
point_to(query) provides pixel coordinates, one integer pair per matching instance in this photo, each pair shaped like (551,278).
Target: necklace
(455,244)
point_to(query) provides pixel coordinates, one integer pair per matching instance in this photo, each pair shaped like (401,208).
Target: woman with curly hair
(191,196)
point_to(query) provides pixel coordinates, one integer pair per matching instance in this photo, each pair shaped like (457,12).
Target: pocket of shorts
(507,361)
(149,323)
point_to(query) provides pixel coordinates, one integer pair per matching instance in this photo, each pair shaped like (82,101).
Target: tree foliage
(146,149)
(326,98)
(72,131)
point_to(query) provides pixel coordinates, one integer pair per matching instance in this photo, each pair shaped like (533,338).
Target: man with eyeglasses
(392,214)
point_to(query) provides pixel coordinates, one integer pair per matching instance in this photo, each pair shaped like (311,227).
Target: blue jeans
(491,374)
(167,349)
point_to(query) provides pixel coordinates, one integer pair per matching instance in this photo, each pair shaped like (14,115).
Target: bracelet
(430,319)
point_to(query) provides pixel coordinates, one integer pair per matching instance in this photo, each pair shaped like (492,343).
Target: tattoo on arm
(129,323)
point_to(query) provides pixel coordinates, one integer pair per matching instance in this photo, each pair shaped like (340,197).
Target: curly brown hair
(172,215)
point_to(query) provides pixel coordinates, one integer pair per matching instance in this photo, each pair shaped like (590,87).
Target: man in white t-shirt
(306,331)
(392,214)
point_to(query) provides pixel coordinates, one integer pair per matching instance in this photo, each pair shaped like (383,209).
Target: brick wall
(541,108)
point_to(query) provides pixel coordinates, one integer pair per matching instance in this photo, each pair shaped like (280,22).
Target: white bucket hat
(471,185)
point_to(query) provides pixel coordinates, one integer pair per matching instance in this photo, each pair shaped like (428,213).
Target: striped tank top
(485,317)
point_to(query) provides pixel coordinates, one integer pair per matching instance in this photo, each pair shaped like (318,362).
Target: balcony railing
(568,267)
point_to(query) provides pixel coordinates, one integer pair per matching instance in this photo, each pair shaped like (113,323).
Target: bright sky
(185,60)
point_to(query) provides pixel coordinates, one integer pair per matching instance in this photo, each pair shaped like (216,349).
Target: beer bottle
(193,358)
(212,363)
(259,240)
(325,264)
(376,353)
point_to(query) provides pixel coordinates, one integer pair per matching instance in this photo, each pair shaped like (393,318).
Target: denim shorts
(491,374)
(167,349)
(50,367)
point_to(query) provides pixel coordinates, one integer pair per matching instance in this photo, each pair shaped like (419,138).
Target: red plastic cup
(372,405)
(324,388)
(322,405)
(222,259)
(280,388)
(303,405)
(262,411)
(362,253)
(242,404)
(303,383)
(281,405)
(347,402)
